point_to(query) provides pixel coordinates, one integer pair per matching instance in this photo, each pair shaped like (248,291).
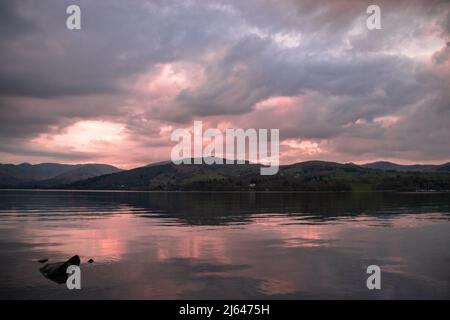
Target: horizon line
(248,162)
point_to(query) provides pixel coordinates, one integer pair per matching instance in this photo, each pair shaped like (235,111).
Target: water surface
(226,245)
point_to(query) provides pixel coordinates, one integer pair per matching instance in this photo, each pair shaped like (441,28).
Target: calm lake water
(226,245)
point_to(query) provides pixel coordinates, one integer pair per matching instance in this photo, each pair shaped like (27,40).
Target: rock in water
(43,260)
(57,271)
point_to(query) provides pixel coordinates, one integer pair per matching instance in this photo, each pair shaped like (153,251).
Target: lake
(226,245)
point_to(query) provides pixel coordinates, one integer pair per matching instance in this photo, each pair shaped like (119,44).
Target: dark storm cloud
(12,23)
(116,41)
(41,59)
(22,117)
(247,51)
(269,71)
(441,56)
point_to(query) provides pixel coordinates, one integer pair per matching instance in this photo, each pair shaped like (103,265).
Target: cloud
(310,68)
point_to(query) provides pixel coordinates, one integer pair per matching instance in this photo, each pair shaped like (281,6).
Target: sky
(114,91)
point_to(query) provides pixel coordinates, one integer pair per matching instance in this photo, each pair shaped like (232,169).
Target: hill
(389,166)
(304,176)
(26,175)
(167,176)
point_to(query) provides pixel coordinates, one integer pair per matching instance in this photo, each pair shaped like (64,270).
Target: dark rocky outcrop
(57,271)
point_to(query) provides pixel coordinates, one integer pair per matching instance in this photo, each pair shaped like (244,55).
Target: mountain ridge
(49,174)
(386,165)
(313,175)
(304,176)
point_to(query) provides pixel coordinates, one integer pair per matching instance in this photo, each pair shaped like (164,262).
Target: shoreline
(216,191)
